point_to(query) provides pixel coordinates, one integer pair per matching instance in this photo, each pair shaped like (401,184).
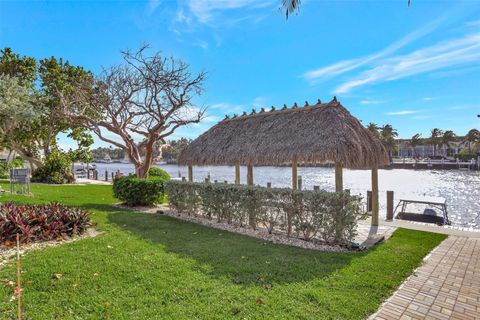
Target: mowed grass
(154,267)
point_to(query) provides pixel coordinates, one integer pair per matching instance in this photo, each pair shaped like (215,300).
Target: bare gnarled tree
(137,103)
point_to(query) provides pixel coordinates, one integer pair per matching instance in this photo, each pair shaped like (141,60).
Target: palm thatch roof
(319,133)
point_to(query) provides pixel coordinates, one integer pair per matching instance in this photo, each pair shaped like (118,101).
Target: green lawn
(156,267)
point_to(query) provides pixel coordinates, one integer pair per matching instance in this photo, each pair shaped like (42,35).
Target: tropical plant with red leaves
(37,223)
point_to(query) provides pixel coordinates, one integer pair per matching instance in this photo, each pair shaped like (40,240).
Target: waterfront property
(147,266)
(319,133)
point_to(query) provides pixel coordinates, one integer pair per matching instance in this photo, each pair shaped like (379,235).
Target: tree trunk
(34,163)
(142,170)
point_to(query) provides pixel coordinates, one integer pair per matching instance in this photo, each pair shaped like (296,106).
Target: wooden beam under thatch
(323,132)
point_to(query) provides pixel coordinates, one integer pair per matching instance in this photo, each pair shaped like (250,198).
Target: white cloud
(259,102)
(371,101)
(450,53)
(227,108)
(152,5)
(402,113)
(206,10)
(202,44)
(344,66)
(422,117)
(429,98)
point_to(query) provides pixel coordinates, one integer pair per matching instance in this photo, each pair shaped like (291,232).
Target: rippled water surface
(461,189)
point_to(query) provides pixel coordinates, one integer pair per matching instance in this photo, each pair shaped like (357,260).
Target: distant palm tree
(448,136)
(415,140)
(373,128)
(388,135)
(472,136)
(435,136)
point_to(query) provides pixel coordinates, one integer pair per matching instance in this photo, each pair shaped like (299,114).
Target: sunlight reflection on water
(461,189)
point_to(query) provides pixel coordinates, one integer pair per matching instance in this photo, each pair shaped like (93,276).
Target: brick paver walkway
(447,286)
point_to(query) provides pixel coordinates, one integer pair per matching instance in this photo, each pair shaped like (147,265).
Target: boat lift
(429,215)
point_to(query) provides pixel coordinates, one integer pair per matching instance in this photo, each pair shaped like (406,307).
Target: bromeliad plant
(37,223)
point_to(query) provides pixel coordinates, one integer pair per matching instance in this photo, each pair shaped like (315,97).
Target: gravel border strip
(259,233)
(10,254)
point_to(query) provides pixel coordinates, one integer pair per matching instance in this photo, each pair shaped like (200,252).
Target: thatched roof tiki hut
(319,133)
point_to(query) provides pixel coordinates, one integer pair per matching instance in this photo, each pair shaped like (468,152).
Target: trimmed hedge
(326,216)
(135,191)
(158,173)
(40,222)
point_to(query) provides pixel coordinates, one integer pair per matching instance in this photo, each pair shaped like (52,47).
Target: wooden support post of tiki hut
(375,196)
(190,173)
(339,138)
(294,175)
(237,173)
(250,175)
(338,177)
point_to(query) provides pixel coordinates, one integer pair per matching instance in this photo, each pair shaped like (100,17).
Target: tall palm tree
(472,136)
(415,140)
(448,136)
(373,128)
(435,136)
(292,6)
(388,135)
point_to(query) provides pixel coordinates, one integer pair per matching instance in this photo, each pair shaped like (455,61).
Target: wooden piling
(369,201)
(375,196)
(294,174)
(190,173)
(389,205)
(237,173)
(250,175)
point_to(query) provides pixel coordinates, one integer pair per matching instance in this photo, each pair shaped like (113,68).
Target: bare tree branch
(142,101)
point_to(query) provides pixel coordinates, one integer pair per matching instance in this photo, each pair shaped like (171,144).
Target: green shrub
(327,216)
(465,157)
(5,167)
(56,170)
(158,173)
(138,191)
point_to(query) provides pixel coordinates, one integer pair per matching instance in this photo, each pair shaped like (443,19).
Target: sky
(416,67)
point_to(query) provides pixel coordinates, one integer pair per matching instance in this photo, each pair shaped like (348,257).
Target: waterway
(460,188)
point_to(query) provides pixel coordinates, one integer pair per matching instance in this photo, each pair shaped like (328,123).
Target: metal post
(106,175)
(299,183)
